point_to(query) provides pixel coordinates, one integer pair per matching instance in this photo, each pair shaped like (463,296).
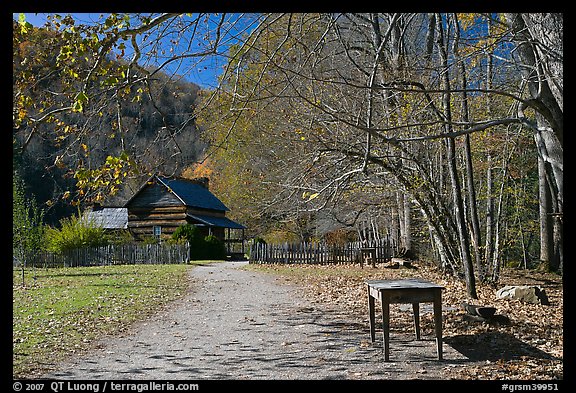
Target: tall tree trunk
(395,227)
(452,168)
(539,38)
(407,225)
(403,208)
(546,225)
(553,181)
(497,223)
(489,245)
(475,223)
(401,222)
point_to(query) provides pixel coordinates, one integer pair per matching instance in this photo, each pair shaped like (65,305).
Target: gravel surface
(238,324)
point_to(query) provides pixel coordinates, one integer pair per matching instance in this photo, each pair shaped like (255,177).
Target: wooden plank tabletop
(409,283)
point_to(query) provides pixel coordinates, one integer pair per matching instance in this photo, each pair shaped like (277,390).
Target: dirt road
(238,324)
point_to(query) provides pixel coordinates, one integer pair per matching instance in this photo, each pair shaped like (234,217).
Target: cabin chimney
(203,181)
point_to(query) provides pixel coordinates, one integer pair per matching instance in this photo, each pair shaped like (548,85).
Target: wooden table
(414,291)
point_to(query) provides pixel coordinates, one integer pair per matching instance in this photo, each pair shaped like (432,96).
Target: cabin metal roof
(222,222)
(192,194)
(108,217)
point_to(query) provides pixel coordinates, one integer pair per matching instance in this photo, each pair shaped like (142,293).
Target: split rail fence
(321,253)
(114,254)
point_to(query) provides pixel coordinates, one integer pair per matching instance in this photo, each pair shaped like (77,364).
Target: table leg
(416,309)
(371,314)
(385,325)
(438,321)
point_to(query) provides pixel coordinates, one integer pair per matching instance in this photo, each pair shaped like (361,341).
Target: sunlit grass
(64,310)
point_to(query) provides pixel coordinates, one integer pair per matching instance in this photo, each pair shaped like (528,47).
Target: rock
(481,311)
(525,293)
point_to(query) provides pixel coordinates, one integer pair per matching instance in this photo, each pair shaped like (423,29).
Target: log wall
(141,220)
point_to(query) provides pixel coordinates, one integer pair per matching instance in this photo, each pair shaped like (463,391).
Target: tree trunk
(539,38)
(407,225)
(489,246)
(545,206)
(403,208)
(498,220)
(476,236)
(452,168)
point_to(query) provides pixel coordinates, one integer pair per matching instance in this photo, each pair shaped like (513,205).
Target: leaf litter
(524,343)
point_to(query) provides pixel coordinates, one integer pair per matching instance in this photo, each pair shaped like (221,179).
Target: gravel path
(239,324)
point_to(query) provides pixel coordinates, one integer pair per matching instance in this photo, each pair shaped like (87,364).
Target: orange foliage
(199,169)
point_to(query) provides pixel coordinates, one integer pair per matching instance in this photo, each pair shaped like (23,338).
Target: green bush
(122,236)
(75,232)
(189,232)
(209,247)
(192,235)
(214,248)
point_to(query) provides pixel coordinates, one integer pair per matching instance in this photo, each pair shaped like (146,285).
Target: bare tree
(539,39)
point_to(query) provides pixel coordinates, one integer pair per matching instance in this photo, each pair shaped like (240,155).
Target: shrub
(122,236)
(192,234)
(75,232)
(149,239)
(214,248)
(209,247)
(189,232)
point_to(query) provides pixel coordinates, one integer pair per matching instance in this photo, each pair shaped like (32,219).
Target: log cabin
(163,204)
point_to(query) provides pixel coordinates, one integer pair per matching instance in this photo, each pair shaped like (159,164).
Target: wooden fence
(117,254)
(320,253)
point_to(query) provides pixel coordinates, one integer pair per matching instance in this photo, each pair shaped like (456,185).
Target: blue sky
(203,73)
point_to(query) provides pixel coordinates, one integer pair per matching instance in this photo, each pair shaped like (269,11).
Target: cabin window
(157,230)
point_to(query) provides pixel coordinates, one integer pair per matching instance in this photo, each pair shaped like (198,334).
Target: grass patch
(64,310)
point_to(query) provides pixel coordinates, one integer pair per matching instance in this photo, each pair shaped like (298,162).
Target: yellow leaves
(137,98)
(105,179)
(301,133)
(466,20)
(24,26)
(58,162)
(80,101)
(20,112)
(310,196)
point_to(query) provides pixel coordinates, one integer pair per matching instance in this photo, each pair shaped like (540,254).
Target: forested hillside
(148,123)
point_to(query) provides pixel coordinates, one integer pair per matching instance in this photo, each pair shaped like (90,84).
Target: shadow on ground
(495,346)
